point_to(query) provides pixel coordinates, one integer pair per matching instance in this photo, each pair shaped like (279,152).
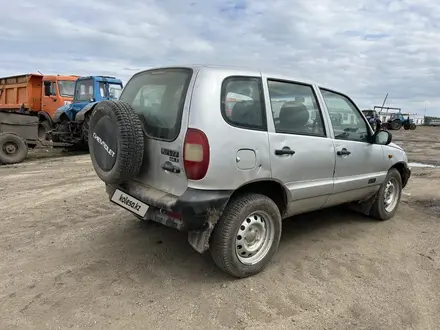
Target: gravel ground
(69,259)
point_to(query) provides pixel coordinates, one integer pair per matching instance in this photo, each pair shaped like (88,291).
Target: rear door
(302,155)
(161,97)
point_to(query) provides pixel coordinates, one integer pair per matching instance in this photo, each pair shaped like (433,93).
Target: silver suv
(225,154)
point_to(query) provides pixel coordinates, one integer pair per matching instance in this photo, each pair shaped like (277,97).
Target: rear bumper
(191,211)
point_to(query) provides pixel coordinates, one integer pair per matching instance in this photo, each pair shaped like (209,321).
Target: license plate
(129,202)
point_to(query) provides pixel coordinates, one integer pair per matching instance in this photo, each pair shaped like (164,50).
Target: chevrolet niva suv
(225,154)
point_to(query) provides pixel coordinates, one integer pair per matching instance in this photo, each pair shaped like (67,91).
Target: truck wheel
(412,126)
(85,128)
(13,148)
(43,129)
(388,197)
(406,127)
(246,236)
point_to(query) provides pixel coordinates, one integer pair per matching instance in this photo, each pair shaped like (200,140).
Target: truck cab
(57,91)
(87,90)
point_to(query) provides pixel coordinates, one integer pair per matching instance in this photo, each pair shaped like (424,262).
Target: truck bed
(23,91)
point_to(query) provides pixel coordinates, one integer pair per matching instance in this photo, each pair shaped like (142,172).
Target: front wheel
(388,197)
(412,127)
(247,235)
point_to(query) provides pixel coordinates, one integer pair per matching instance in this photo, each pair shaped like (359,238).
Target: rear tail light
(196,154)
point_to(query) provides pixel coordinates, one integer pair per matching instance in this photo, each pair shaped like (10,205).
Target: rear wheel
(247,235)
(85,128)
(388,197)
(13,148)
(396,124)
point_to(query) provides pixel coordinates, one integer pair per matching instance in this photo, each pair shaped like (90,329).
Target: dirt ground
(69,259)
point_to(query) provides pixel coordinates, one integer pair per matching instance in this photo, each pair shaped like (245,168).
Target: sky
(363,48)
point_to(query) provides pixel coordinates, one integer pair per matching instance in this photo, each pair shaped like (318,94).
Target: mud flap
(364,206)
(199,239)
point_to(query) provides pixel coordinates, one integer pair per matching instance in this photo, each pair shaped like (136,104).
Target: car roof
(243,70)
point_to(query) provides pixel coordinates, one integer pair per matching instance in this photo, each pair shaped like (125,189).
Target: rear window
(243,102)
(158,97)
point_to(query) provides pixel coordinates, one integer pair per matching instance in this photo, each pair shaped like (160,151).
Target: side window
(347,121)
(295,109)
(242,102)
(50,88)
(102,89)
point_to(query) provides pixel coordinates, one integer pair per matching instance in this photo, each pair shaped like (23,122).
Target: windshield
(158,97)
(114,91)
(66,87)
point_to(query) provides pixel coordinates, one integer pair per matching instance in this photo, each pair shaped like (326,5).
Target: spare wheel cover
(105,143)
(116,141)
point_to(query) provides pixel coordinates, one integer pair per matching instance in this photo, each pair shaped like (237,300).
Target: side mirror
(382,137)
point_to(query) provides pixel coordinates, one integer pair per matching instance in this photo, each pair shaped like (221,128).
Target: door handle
(284,151)
(167,166)
(343,152)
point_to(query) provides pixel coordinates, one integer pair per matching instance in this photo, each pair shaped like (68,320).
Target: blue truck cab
(89,91)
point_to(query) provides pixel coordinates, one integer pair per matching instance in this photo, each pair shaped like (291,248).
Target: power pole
(383,104)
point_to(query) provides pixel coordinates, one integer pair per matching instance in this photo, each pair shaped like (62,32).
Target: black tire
(116,141)
(224,237)
(43,128)
(412,127)
(378,210)
(406,127)
(13,148)
(396,124)
(85,127)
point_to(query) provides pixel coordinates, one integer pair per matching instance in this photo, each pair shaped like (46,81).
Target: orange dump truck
(27,104)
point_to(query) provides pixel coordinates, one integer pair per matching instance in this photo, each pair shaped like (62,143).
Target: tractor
(397,120)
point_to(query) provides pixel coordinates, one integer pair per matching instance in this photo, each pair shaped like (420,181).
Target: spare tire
(116,141)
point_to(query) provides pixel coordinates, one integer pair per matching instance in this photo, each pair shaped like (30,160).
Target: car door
(49,103)
(301,153)
(359,163)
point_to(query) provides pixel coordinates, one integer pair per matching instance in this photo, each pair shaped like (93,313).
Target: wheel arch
(44,116)
(403,169)
(271,188)
(81,115)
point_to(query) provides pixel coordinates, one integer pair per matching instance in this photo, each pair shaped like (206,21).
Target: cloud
(364,48)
